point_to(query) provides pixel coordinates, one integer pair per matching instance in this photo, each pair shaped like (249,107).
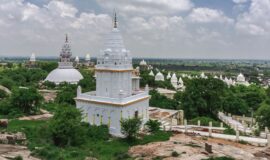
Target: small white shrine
(159,77)
(115,97)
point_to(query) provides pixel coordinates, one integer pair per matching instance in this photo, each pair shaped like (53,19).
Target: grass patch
(41,145)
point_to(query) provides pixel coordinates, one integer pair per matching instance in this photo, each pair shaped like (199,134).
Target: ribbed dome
(59,75)
(159,77)
(174,78)
(241,78)
(143,63)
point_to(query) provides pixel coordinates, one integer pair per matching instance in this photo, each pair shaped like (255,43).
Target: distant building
(166,92)
(241,80)
(151,73)
(115,97)
(65,71)
(159,77)
(32,61)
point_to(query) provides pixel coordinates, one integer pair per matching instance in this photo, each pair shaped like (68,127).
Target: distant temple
(118,95)
(65,71)
(32,61)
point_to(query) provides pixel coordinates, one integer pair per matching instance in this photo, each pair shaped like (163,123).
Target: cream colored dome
(143,63)
(69,75)
(87,57)
(33,57)
(169,75)
(159,77)
(240,78)
(151,73)
(174,78)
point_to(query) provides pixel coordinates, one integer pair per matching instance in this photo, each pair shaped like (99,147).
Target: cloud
(147,7)
(42,28)
(240,1)
(207,15)
(256,21)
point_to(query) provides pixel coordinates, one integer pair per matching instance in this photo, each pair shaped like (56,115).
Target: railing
(92,96)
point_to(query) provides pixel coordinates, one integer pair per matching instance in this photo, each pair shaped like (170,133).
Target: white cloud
(207,15)
(256,21)
(41,29)
(240,1)
(147,7)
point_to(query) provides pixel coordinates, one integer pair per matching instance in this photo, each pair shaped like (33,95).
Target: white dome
(203,75)
(143,63)
(174,78)
(87,57)
(180,80)
(151,73)
(240,78)
(69,75)
(169,75)
(159,77)
(77,59)
(33,57)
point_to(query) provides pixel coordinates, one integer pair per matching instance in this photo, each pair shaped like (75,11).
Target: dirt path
(11,151)
(192,148)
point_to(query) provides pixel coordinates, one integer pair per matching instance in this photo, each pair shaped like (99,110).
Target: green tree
(8,83)
(232,103)
(130,127)
(203,97)
(153,125)
(161,101)
(66,94)
(263,115)
(28,100)
(66,128)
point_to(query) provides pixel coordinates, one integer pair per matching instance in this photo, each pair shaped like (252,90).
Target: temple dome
(69,75)
(87,57)
(143,63)
(169,75)
(159,77)
(240,78)
(151,73)
(65,71)
(174,78)
(77,59)
(33,57)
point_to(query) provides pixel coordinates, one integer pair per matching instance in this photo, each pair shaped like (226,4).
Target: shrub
(18,158)
(204,121)
(153,125)
(229,131)
(175,154)
(66,128)
(130,127)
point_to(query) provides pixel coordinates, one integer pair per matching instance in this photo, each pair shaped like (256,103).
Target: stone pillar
(94,119)
(109,122)
(171,124)
(268,140)
(199,123)
(164,127)
(266,130)
(221,124)
(210,129)
(185,123)
(237,135)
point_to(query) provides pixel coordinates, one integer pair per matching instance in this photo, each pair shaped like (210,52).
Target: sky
(211,29)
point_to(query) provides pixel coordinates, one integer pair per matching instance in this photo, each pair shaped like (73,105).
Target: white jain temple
(115,97)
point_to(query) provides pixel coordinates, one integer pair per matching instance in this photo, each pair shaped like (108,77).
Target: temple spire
(115,20)
(66,38)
